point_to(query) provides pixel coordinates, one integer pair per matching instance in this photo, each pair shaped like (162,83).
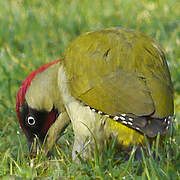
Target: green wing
(117,71)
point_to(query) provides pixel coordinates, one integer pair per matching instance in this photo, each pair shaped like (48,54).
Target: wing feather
(118,71)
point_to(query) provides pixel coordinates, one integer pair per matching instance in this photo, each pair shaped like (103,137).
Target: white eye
(31,120)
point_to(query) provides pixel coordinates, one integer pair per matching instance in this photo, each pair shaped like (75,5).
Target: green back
(118,71)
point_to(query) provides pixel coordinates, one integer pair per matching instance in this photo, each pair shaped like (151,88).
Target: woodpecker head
(38,103)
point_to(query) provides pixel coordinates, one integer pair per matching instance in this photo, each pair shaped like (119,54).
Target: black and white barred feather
(144,124)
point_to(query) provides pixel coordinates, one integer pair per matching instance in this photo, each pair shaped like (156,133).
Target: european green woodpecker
(40,109)
(115,83)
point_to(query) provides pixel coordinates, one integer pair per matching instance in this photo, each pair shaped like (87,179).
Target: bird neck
(43,93)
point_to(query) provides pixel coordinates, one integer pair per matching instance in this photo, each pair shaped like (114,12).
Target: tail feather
(154,127)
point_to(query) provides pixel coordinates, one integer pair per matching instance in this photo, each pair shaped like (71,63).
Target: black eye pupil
(31,121)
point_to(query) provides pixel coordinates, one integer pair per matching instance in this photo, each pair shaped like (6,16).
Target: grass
(36,32)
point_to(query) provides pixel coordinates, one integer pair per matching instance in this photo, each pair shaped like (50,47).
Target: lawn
(36,32)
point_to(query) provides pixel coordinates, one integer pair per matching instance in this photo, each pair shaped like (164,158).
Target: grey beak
(34,146)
